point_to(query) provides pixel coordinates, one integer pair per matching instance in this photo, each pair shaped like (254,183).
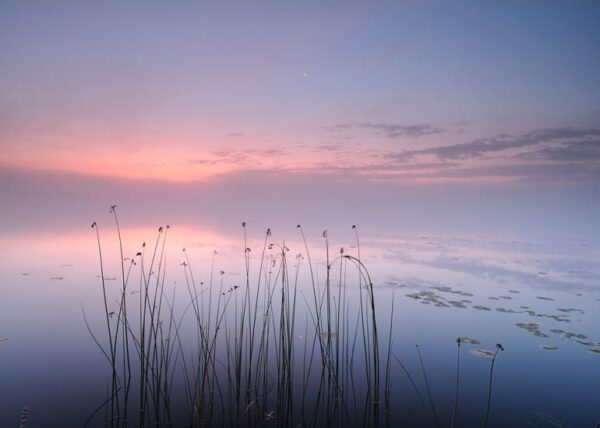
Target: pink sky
(388,113)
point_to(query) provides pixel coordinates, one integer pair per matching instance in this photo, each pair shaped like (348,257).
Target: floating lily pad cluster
(593,347)
(569,310)
(469,340)
(428,297)
(555,317)
(445,289)
(485,353)
(500,298)
(532,327)
(508,311)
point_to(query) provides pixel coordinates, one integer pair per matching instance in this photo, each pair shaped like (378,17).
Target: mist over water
(538,297)
(442,160)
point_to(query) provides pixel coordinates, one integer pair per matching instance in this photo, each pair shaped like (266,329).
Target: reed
(458,341)
(499,348)
(263,351)
(24,417)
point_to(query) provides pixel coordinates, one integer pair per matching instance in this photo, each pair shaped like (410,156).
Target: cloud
(271,152)
(328,148)
(553,155)
(338,127)
(579,151)
(501,142)
(395,131)
(221,157)
(389,130)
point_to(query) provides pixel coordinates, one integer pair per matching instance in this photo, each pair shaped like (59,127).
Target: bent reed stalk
(263,352)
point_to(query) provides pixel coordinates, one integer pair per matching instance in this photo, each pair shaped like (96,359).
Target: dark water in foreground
(539,298)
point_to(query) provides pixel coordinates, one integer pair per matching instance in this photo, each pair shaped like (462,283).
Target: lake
(537,297)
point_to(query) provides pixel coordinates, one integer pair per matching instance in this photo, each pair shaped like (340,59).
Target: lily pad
(469,340)
(484,353)
(507,311)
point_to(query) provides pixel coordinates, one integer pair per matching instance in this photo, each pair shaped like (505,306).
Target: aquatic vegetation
(232,355)
(459,340)
(548,347)
(499,348)
(251,331)
(569,310)
(532,327)
(558,318)
(457,304)
(594,351)
(580,338)
(528,325)
(446,289)
(427,386)
(545,298)
(429,297)
(468,340)
(514,291)
(555,317)
(24,417)
(482,353)
(508,311)
(416,296)
(481,308)
(4,339)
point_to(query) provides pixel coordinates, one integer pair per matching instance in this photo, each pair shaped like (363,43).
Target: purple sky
(460,115)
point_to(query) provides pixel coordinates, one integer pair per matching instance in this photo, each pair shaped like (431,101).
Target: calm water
(538,297)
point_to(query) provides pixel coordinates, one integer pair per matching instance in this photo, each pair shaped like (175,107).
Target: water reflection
(45,278)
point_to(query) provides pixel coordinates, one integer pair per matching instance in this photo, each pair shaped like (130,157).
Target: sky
(480,116)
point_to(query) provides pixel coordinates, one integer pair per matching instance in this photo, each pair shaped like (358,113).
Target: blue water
(49,363)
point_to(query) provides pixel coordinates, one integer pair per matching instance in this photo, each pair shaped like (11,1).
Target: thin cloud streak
(389,130)
(480,147)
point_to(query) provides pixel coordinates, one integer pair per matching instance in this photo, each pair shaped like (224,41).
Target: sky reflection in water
(538,298)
